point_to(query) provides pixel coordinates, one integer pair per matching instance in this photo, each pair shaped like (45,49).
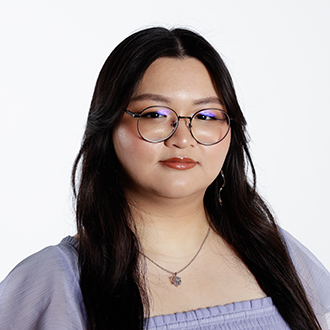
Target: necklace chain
(176,280)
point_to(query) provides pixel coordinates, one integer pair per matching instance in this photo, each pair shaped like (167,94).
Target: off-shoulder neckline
(240,306)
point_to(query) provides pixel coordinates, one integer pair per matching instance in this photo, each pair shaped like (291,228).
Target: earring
(223,184)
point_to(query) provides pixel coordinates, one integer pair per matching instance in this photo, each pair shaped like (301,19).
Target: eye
(160,113)
(206,115)
(153,114)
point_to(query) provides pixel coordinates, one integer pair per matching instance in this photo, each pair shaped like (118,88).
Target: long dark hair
(111,277)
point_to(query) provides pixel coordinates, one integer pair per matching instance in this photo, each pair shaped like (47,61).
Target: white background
(51,52)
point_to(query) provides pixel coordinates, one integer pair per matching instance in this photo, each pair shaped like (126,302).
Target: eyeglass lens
(208,126)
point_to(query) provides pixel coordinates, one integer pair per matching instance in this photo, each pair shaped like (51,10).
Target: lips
(179,163)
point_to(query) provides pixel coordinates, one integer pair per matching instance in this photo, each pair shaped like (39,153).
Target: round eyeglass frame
(139,115)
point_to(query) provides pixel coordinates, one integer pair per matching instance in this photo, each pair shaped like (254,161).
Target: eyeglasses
(158,123)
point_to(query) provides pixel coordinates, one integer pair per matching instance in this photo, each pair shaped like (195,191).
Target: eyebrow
(206,100)
(152,97)
(161,98)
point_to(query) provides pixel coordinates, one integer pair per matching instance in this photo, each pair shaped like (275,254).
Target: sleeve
(42,293)
(314,277)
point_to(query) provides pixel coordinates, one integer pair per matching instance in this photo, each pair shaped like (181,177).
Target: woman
(171,233)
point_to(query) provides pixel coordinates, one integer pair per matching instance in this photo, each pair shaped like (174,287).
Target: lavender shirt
(42,292)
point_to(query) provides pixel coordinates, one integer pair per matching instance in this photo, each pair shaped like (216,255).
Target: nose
(182,137)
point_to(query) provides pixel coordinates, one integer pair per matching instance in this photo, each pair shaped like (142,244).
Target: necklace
(175,279)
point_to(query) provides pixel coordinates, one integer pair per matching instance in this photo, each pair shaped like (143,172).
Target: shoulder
(314,276)
(303,258)
(46,267)
(43,291)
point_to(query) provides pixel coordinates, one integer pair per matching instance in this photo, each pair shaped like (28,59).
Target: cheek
(123,141)
(132,151)
(219,151)
(216,156)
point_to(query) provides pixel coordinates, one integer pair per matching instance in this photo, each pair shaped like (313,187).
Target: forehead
(172,76)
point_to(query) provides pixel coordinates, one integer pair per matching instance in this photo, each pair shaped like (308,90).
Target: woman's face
(179,167)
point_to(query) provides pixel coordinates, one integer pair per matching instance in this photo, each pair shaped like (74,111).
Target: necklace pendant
(175,280)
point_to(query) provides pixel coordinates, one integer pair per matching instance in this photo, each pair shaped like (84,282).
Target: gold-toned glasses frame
(139,115)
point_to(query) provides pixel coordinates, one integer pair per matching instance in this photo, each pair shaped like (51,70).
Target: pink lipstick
(179,163)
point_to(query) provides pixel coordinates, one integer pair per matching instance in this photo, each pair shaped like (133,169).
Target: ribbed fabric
(258,314)
(43,293)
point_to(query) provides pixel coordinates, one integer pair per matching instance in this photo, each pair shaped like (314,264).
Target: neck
(170,228)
